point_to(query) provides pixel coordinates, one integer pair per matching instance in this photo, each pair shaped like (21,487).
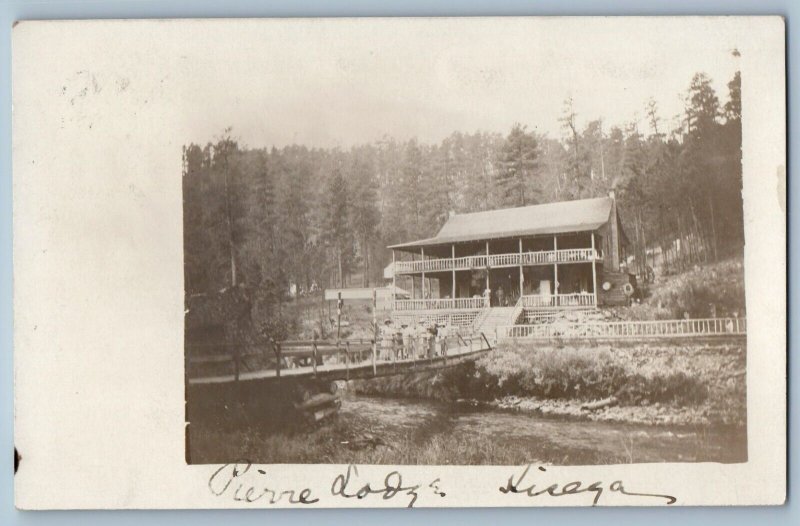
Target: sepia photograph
(465,251)
(399,262)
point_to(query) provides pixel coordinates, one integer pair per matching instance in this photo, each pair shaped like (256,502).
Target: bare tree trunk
(602,159)
(639,240)
(230,225)
(644,248)
(697,231)
(365,279)
(575,142)
(713,226)
(680,231)
(341,274)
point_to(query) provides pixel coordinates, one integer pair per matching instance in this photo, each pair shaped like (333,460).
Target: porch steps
(492,318)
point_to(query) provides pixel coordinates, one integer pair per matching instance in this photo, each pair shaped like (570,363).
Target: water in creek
(547,439)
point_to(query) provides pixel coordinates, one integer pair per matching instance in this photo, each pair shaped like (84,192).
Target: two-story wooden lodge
(514,265)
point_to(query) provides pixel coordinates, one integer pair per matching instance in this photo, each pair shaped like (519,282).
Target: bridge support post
(393,352)
(276,348)
(314,355)
(347,360)
(374,358)
(339,316)
(236,362)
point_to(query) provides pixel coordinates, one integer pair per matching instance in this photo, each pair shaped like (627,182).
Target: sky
(326,84)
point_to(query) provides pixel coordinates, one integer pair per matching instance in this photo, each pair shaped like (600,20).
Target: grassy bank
(351,438)
(348,440)
(677,383)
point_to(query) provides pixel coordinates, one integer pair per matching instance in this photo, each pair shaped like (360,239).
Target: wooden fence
(579,299)
(628,329)
(440,303)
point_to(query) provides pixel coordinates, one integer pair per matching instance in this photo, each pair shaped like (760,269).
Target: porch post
(422,253)
(555,267)
(453,264)
(413,293)
(487,275)
(394,279)
(521,277)
(594,272)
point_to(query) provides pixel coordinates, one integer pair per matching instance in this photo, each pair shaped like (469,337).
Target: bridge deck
(362,369)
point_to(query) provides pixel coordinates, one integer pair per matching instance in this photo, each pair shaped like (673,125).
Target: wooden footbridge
(290,382)
(330,360)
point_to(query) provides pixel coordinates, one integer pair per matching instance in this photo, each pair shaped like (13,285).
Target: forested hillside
(268,217)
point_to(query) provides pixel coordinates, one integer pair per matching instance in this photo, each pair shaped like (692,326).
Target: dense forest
(265,218)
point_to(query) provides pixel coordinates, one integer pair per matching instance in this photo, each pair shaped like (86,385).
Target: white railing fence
(440,303)
(627,329)
(579,299)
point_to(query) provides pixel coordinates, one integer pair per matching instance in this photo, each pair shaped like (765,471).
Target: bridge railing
(309,356)
(628,329)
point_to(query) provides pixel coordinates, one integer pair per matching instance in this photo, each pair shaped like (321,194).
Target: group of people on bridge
(419,341)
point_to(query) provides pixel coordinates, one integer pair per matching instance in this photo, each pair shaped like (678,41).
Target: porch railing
(437,304)
(579,299)
(628,329)
(545,257)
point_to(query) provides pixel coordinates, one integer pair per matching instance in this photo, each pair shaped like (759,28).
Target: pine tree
(364,210)
(338,234)
(733,108)
(517,164)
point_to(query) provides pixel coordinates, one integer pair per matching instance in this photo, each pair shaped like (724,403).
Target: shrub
(569,373)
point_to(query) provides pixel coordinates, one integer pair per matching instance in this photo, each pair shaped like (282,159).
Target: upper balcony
(545,257)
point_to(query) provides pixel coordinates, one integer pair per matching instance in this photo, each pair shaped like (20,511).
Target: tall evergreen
(517,168)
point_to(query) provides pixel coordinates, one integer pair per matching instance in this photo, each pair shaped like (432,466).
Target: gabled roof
(552,218)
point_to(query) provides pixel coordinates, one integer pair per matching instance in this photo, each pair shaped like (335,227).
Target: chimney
(613,233)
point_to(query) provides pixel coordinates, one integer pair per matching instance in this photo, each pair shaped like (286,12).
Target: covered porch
(556,271)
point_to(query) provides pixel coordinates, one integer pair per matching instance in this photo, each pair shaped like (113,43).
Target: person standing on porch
(501,297)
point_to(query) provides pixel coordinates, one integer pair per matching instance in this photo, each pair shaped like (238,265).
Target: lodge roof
(551,218)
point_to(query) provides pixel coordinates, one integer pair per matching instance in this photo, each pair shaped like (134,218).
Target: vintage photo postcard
(399,262)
